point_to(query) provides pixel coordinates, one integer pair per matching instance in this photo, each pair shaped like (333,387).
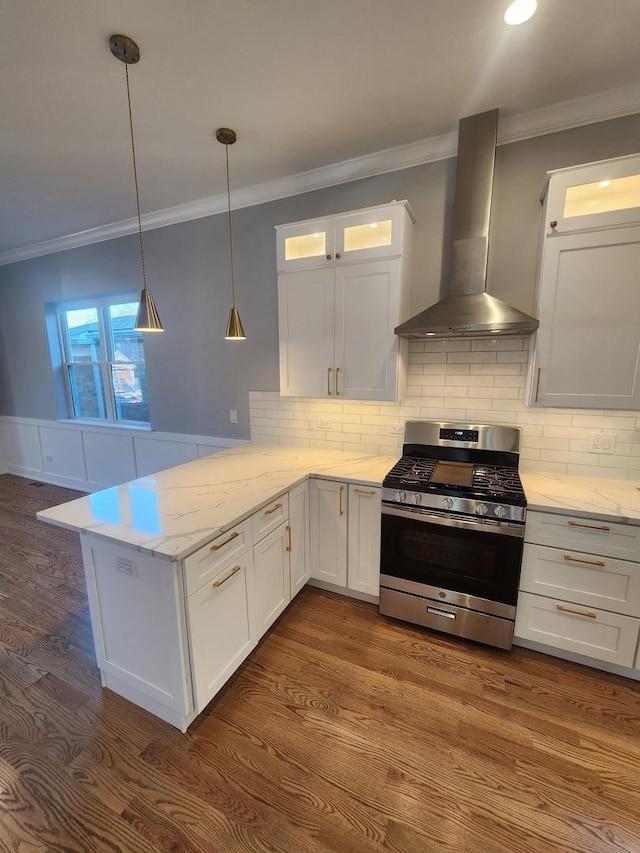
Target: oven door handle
(480,525)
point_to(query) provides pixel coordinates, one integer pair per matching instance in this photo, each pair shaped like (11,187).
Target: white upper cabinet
(596,195)
(377,232)
(337,317)
(587,350)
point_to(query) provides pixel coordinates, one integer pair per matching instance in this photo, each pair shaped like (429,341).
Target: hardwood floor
(344,731)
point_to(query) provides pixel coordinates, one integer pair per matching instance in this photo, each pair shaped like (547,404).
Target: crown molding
(516,128)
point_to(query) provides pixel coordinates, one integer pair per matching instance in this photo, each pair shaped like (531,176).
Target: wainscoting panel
(109,458)
(90,458)
(62,453)
(153,455)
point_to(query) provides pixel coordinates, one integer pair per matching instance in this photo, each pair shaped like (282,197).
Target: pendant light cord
(135,180)
(233,280)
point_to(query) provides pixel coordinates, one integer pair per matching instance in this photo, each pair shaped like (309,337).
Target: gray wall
(194,375)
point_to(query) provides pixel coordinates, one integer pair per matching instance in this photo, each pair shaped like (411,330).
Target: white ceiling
(305,84)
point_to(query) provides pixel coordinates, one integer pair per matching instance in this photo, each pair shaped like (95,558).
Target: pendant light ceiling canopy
(147,319)
(235,330)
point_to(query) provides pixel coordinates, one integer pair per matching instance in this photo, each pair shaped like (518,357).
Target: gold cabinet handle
(538,385)
(553,223)
(288,548)
(273,509)
(230,574)
(337,256)
(337,372)
(586,562)
(226,542)
(329,381)
(364,491)
(341,493)
(564,609)
(589,526)
(328,257)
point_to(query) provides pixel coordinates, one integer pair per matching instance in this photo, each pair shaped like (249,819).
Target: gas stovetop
(459,468)
(491,482)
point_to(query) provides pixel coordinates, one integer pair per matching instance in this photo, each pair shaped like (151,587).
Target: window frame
(106,362)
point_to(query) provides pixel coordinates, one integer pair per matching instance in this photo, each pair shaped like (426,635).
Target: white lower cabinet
(576,595)
(299,556)
(219,629)
(169,634)
(328,531)
(363,559)
(345,536)
(585,631)
(269,588)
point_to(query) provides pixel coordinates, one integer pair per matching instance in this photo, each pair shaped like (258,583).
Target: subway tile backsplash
(462,380)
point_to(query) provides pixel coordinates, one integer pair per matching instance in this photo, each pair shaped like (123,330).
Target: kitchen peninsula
(188,568)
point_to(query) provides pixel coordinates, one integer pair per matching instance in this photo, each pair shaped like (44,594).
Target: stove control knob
(416,498)
(401,496)
(500,511)
(447,503)
(482,509)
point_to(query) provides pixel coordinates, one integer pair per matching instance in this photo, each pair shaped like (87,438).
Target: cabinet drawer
(219,630)
(577,533)
(582,630)
(205,563)
(269,517)
(592,580)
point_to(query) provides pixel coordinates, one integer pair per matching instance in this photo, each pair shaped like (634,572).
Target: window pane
(130,391)
(83,334)
(125,341)
(87,392)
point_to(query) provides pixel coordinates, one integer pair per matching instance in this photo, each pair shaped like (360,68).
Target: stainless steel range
(453,516)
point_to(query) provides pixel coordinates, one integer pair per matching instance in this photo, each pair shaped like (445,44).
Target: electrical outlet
(48,458)
(602,442)
(323,424)
(126,567)
(233,416)
(396,429)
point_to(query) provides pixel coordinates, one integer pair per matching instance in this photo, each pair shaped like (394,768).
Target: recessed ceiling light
(315,236)
(520,11)
(373,225)
(604,184)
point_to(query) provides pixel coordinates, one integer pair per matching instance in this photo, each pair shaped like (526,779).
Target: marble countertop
(608,500)
(174,512)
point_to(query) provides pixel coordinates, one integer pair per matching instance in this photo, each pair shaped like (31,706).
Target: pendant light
(147,319)
(235,332)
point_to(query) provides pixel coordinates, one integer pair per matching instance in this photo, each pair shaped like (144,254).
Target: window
(103,360)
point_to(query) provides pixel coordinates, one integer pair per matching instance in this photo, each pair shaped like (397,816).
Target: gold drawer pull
(586,562)
(288,548)
(229,574)
(364,491)
(564,609)
(273,509)
(329,381)
(589,526)
(226,542)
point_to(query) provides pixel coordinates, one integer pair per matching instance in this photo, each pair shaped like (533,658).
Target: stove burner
(415,473)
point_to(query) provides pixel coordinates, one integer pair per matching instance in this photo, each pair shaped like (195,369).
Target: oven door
(433,554)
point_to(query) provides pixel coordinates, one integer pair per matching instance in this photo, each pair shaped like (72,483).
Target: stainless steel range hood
(467,310)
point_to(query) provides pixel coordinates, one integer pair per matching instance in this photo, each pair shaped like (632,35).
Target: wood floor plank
(344,731)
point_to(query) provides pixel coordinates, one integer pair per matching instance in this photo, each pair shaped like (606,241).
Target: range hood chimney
(468,310)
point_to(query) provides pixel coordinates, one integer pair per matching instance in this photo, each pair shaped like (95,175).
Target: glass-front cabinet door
(361,235)
(596,195)
(305,244)
(369,234)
